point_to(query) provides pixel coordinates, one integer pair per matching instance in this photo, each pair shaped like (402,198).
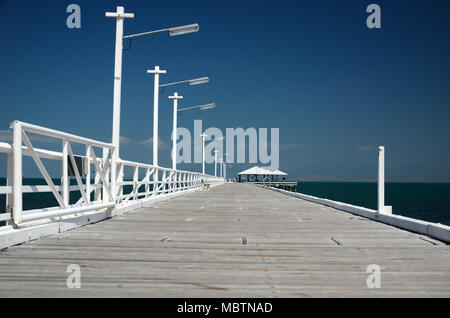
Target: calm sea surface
(424,201)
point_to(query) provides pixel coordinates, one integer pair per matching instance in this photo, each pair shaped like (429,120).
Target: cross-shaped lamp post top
(119,14)
(176,96)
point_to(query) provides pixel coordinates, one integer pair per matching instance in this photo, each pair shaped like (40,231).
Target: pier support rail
(94,187)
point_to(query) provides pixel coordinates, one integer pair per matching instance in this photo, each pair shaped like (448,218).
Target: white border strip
(434,230)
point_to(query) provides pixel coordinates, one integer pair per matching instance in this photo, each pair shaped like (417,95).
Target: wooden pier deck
(191,246)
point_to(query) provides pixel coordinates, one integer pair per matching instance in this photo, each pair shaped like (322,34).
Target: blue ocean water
(45,200)
(424,201)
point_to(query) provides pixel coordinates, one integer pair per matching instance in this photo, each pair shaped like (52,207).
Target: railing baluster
(97,178)
(17,184)
(147,182)
(64,173)
(88,174)
(135,181)
(106,175)
(9,183)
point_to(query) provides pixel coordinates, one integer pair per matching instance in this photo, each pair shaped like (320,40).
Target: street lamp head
(201,107)
(197,81)
(208,106)
(185,29)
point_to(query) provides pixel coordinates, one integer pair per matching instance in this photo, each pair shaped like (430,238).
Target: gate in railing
(103,193)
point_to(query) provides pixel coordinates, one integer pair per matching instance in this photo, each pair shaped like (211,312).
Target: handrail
(61,135)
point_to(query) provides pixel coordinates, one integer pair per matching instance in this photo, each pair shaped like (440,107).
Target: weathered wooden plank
(191,246)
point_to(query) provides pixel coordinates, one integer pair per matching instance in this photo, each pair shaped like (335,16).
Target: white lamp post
(175,98)
(203,152)
(224,165)
(381,207)
(156,71)
(175,118)
(120,15)
(215,163)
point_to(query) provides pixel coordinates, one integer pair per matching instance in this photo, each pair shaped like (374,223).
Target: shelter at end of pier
(259,174)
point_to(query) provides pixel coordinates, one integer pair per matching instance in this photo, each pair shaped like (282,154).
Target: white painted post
(203,152)
(105,196)
(119,180)
(17,183)
(88,174)
(215,163)
(147,182)
(221,167)
(156,71)
(120,15)
(381,183)
(175,98)
(155,182)
(135,181)
(224,170)
(97,181)
(164,182)
(64,172)
(10,183)
(380,179)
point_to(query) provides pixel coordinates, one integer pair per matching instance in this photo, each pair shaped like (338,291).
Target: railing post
(97,180)
(88,174)
(120,180)
(10,183)
(175,181)
(115,174)
(147,182)
(135,181)
(17,183)
(164,182)
(381,207)
(105,164)
(65,172)
(155,181)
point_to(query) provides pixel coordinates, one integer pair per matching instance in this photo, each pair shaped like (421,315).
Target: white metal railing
(104,193)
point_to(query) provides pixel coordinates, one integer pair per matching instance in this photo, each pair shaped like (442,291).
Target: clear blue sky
(335,88)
